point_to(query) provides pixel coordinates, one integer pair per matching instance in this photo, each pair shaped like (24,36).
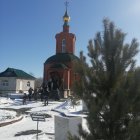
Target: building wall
(70,42)
(11,84)
(15,85)
(23,85)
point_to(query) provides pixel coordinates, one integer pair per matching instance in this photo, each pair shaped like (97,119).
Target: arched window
(28,84)
(63,46)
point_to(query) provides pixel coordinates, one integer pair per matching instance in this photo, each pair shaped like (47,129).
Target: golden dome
(66,18)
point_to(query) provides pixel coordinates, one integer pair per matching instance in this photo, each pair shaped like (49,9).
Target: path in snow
(26,128)
(19,130)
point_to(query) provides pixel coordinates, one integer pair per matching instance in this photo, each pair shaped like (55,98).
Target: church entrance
(54,85)
(55,79)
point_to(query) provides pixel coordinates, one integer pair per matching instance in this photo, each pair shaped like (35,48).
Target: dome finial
(66,4)
(66,18)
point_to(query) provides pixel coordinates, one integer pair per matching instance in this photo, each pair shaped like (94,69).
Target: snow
(67,109)
(7,115)
(26,128)
(5,100)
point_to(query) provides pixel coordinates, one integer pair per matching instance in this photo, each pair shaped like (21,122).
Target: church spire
(66,19)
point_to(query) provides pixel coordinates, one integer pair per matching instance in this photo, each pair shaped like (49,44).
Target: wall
(14,85)
(70,42)
(24,87)
(64,125)
(11,84)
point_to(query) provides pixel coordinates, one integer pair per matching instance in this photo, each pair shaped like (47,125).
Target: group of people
(37,94)
(46,91)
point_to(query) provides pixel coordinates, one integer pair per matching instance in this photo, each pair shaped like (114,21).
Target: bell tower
(59,68)
(65,41)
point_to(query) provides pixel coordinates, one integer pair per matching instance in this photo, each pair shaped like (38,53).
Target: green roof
(59,66)
(62,58)
(11,72)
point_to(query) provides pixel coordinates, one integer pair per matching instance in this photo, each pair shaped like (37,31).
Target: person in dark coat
(41,91)
(49,85)
(24,98)
(30,93)
(56,90)
(46,95)
(35,95)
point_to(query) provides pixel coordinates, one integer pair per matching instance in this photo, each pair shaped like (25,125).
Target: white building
(15,80)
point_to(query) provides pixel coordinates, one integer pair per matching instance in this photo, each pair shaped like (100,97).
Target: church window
(63,46)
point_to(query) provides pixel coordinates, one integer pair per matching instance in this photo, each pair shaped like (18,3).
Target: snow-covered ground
(26,128)
(6,115)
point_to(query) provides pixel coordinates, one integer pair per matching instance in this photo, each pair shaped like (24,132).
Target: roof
(11,72)
(62,57)
(59,66)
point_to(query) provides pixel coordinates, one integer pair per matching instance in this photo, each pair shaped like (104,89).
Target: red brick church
(59,67)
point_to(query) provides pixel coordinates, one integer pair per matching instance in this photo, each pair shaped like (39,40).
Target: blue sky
(28,28)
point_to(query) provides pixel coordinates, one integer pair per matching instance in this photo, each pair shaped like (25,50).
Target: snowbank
(67,109)
(4,100)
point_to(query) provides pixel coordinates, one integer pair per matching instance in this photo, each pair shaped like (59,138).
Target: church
(59,67)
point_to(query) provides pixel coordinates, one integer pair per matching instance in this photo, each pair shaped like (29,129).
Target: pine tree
(110,86)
